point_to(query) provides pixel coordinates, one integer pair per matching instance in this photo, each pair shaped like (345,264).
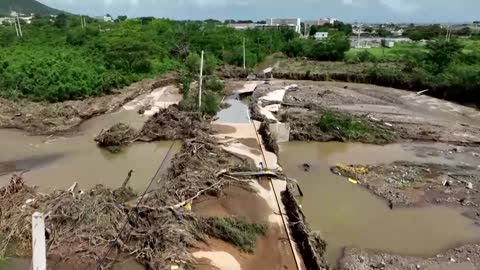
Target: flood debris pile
(115,137)
(159,232)
(407,183)
(311,246)
(79,225)
(173,124)
(325,125)
(349,128)
(199,168)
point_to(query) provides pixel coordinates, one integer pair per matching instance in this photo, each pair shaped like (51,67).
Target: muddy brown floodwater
(347,215)
(56,162)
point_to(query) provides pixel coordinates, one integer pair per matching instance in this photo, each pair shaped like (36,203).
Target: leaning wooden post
(39,251)
(200,84)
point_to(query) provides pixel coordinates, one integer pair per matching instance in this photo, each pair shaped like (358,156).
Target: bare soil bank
(298,69)
(52,118)
(406,115)
(462,258)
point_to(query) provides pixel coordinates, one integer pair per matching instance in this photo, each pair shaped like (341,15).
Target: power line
(124,226)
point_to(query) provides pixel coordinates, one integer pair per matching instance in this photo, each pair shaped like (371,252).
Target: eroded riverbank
(348,215)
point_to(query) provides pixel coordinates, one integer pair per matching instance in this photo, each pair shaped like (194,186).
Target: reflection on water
(236,113)
(348,215)
(57,162)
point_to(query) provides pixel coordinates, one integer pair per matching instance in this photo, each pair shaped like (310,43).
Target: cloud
(348,10)
(214,3)
(400,6)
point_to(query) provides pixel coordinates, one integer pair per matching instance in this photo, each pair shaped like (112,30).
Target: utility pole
(449,33)
(359,32)
(244,56)
(19,27)
(84,22)
(81,21)
(16,28)
(200,82)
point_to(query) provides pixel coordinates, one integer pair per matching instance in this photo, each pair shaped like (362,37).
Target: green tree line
(59,59)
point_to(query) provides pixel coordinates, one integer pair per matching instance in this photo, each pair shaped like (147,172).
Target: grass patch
(397,53)
(236,231)
(349,128)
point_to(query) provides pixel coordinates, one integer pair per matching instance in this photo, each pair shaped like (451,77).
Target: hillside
(26,7)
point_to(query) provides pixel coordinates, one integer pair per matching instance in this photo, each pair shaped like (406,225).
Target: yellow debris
(174,267)
(353,181)
(188,207)
(351,169)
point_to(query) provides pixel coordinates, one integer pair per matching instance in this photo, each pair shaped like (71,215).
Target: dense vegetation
(59,59)
(447,68)
(331,49)
(26,7)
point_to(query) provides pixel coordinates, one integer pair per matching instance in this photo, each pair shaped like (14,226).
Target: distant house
(291,23)
(321,22)
(242,26)
(398,32)
(13,15)
(389,43)
(107,18)
(321,35)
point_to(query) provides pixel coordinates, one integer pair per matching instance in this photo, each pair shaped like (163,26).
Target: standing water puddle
(347,215)
(57,162)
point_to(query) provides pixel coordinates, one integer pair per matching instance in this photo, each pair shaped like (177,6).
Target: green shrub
(236,231)
(210,103)
(366,56)
(215,85)
(331,49)
(352,128)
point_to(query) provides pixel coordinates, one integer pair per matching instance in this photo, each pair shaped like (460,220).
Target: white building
(293,23)
(107,18)
(13,15)
(242,26)
(398,32)
(321,35)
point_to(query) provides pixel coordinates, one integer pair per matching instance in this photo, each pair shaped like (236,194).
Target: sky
(424,11)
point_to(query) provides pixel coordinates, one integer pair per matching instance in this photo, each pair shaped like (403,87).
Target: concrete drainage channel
(306,249)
